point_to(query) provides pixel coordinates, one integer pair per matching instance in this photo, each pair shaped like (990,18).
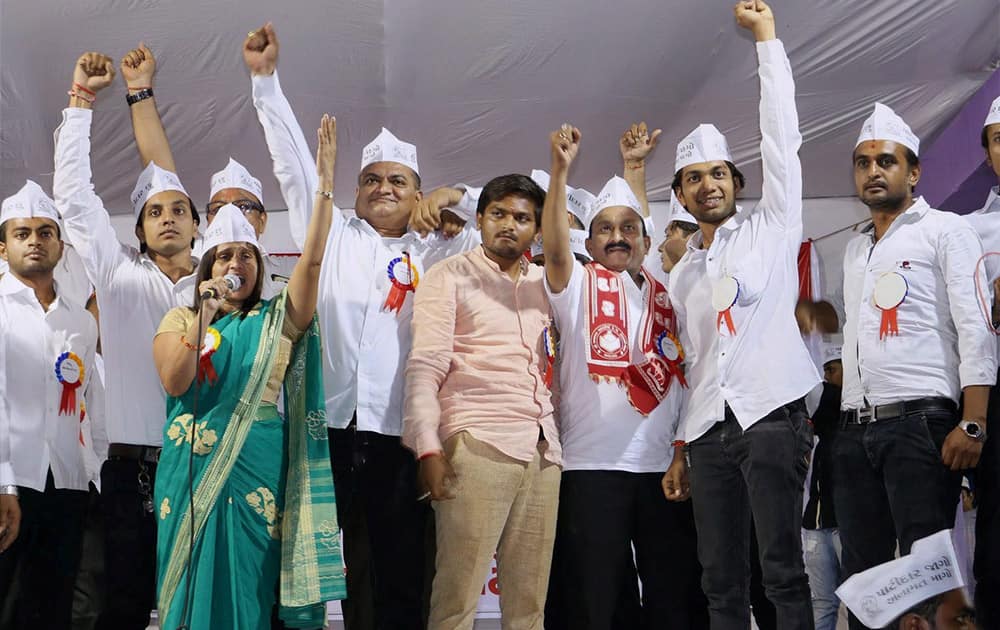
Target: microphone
(232,281)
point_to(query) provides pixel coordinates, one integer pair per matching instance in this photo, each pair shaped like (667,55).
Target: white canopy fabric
(477,86)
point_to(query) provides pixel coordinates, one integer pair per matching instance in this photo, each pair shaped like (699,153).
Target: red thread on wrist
(431,454)
(677,443)
(82,97)
(80,87)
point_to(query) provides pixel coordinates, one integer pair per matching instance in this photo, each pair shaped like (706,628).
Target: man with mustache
(41,452)
(915,346)
(986,221)
(373,264)
(621,386)
(734,291)
(135,288)
(479,415)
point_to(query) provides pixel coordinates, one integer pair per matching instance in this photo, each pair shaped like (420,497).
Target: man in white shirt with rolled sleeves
(50,342)
(135,288)
(915,345)
(986,221)
(734,292)
(373,264)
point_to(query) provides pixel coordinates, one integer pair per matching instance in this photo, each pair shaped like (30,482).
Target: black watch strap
(134,97)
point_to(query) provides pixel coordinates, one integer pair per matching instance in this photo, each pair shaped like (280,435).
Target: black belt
(868,415)
(149,454)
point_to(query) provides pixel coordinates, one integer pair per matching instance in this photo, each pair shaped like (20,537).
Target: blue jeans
(760,472)
(821,552)
(889,485)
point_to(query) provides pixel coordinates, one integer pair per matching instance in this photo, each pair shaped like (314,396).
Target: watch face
(973,429)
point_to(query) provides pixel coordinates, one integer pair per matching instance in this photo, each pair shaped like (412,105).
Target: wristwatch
(974,429)
(11,489)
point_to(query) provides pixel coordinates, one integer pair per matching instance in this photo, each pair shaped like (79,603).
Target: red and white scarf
(609,349)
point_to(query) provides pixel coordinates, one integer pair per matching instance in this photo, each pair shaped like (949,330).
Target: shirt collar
(10,285)
(992,201)
(481,255)
(916,210)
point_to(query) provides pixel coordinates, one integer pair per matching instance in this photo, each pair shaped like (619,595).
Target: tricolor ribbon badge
(69,372)
(890,291)
(206,371)
(669,347)
(725,292)
(550,342)
(403,277)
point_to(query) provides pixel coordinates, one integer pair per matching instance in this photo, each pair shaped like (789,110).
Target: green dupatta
(311,558)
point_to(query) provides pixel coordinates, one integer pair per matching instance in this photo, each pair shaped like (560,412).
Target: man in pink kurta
(478,414)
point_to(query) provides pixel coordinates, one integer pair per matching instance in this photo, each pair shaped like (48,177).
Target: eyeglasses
(246,206)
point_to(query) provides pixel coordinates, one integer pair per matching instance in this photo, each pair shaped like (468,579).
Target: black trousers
(88,590)
(758,473)
(129,544)
(890,485)
(37,572)
(602,515)
(987,561)
(375,478)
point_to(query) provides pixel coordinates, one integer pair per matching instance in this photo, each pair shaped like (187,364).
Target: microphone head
(233,281)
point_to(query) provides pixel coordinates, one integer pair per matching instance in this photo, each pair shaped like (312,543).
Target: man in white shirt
(986,221)
(135,288)
(621,387)
(915,345)
(734,293)
(372,265)
(49,351)
(233,184)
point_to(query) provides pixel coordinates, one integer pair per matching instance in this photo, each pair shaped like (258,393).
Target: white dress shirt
(365,347)
(6,468)
(943,343)
(986,222)
(765,364)
(40,436)
(132,293)
(598,428)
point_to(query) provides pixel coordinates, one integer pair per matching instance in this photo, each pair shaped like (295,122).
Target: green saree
(264,504)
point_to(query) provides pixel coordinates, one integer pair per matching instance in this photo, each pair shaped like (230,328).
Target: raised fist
(565,145)
(755,16)
(94,71)
(260,50)
(138,67)
(637,143)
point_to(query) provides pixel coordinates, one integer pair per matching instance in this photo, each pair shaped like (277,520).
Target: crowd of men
(640,448)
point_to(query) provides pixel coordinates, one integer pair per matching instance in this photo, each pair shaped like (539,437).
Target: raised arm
(293,163)
(635,146)
(303,286)
(138,68)
(431,212)
(85,221)
(555,222)
(781,193)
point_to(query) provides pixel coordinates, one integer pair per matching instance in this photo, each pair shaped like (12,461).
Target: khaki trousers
(503,505)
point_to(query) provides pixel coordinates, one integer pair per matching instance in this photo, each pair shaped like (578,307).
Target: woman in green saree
(263,501)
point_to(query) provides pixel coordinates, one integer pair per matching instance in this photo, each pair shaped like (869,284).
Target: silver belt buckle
(866,415)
